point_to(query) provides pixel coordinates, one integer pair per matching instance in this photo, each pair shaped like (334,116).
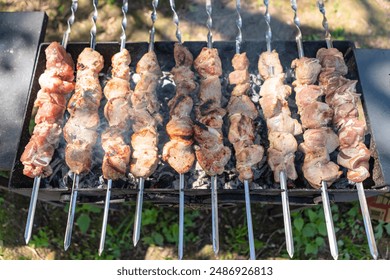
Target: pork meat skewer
(274,94)
(178,152)
(355,126)
(210,152)
(80,131)
(145,117)
(242,113)
(117,92)
(56,83)
(306,71)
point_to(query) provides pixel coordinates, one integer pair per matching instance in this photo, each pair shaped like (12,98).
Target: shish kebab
(210,152)
(80,131)
(282,128)
(178,152)
(117,112)
(145,118)
(242,112)
(319,140)
(56,83)
(340,94)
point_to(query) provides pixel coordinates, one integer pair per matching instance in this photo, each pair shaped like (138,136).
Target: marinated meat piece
(117,112)
(148,65)
(273,106)
(284,123)
(181,105)
(78,157)
(210,93)
(283,142)
(274,86)
(117,154)
(53,83)
(358,175)
(352,133)
(332,58)
(120,65)
(49,97)
(241,89)
(268,60)
(247,157)
(316,114)
(179,156)
(117,88)
(319,138)
(144,159)
(242,105)
(344,113)
(183,57)
(353,157)
(241,129)
(306,95)
(240,75)
(213,160)
(208,63)
(180,129)
(279,162)
(306,70)
(59,61)
(90,61)
(322,170)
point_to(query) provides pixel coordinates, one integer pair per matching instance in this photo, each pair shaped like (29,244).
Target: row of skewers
(136,112)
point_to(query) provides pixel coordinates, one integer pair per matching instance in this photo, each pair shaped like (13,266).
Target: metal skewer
(140,195)
(37,180)
(324,189)
(109,183)
(214,214)
(138,211)
(76,177)
(181,216)
(251,240)
(367,221)
(214,194)
(71,212)
(181,176)
(359,186)
(282,175)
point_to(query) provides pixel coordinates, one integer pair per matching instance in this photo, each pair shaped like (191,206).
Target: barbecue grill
(163,186)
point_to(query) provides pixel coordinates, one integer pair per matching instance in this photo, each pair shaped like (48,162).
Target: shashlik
(145,117)
(281,126)
(342,97)
(178,152)
(242,113)
(117,113)
(210,152)
(80,131)
(56,82)
(319,140)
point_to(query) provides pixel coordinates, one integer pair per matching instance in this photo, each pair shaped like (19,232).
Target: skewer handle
(125,7)
(329,221)
(328,37)
(73,9)
(239,26)
(251,239)
(209,24)
(31,209)
(94,19)
(297,22)
(105,216)
(181,217)
(71,212)
(214,214)
(367,221)
(138,212)
(153,16)
(286,215)
(268,33)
